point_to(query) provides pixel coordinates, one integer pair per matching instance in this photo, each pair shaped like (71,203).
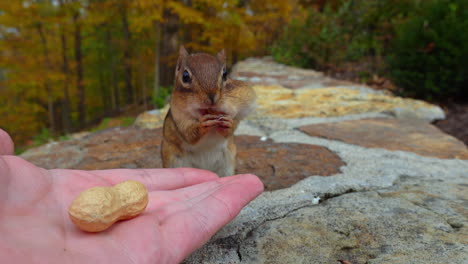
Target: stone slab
(366,169)
(280,165)
(392,134)
(281,102)
(397,225)
(152,119)
(109,149)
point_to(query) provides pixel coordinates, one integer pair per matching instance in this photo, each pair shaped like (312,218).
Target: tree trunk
(169,46)
(157,57)
(127,56)
(79,72)
(66,117)
(102,72)
(48,67)
(103,89)
(143,86)
(115,98)
(187,37)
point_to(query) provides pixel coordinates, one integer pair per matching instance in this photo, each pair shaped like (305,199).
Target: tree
(68,63)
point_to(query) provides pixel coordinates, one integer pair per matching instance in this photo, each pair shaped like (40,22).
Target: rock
(428,114)
(245,128)
(281,102)
(280,165)
(55,155)
(112,148)
(392,134)
(79,135)
(395,226)
(152,119)
(417,220)
(290,92)
(267,72)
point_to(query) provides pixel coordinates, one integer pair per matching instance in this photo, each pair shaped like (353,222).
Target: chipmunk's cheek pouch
(191,107)
(228,110)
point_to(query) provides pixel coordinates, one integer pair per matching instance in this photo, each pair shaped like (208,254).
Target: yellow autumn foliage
(63,59)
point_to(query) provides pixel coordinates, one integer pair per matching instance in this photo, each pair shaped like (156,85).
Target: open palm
(186,207)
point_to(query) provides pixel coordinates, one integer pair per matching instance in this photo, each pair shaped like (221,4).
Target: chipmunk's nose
(213,97)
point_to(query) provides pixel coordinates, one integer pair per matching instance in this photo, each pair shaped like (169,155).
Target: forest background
(67,65)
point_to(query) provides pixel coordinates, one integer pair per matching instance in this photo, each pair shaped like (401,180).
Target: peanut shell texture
(98,208)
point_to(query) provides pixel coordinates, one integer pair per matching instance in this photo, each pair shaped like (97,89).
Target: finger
(6,143)
(210,123)
(158,179)
(224,124)
(190,224)
(185,198)
(158,199)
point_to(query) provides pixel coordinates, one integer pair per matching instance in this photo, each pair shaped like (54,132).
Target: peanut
(97,208)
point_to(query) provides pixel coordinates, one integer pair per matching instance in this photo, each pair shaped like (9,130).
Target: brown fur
(203,115)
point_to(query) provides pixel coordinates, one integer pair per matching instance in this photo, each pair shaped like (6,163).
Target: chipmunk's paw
(219,123)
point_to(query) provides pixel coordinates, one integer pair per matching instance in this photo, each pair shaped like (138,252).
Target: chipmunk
(205,110)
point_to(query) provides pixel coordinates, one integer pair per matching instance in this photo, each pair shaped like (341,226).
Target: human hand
(186,207)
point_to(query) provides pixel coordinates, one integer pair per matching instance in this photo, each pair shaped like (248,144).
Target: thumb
(6,144)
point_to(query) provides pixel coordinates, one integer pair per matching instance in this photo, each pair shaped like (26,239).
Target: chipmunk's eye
(224,75)
(186,77)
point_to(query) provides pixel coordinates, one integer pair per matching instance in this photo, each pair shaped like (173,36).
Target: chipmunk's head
(199,81)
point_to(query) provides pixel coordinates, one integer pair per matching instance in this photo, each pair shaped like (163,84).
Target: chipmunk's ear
(182,51)
(221,56)
(182,57)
